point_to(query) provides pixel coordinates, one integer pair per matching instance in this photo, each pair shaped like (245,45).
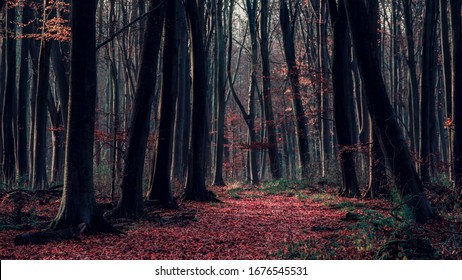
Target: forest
(231,129)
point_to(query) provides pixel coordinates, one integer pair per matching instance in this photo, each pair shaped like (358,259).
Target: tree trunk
(39,175)
(343,99)
(195,182)
(414,88)
(57,135)
(427,88)
(288,31)
(273,151)
(220,94)
(384,120)
(22,162)
(8,99)
(456,25)
(160,189)
(131,200)
(182,106)
(78,204)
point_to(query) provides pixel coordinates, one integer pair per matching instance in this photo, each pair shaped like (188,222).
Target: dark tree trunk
(58,137)
(377,174)
(220,94)
(427,88)
(39,175)
(273,151)
(8,99)
(343,98)
(182,106)
(78,204)
(195,182)
(249,117)
(131,200)
(456,25)
(288,25)
(414,87)
(383,118)
(160,189)
(2,93)
(446,59)
(22,162)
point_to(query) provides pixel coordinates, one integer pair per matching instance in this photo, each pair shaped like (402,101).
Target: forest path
(249,224)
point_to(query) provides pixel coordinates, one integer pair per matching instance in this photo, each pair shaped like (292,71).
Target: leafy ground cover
(277,221)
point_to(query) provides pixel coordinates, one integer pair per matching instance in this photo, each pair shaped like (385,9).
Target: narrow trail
(249,224)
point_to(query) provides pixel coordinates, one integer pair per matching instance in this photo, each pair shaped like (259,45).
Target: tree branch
(105,42)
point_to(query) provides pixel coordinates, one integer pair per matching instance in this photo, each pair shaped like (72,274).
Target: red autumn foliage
(249,224)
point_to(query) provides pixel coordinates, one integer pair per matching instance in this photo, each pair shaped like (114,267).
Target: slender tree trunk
(326,150)
(8,99)
(2,93)
(220,94)
(384,120)
(39,175)
(414,87)
(456,25)
(131,200)
(182,106)
(427,88)
(446,53)
(160,189)
(288,31)
(195,185)
(343,98)
(273,150)
(23,95)
(58,135)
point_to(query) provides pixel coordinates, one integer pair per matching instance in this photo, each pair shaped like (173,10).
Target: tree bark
(195,183)
(343,99)
(8,99)
(456,25)
(22,162)
(160,189)
(385,122)
(288,24)
(39,175)
(220,94)
(78,204)
(427,88)
(273,150)
(131,200)
(414,88)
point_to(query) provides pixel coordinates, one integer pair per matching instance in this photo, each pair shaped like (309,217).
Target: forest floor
(282,220)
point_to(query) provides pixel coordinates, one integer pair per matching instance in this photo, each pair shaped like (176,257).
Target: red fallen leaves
(255,226)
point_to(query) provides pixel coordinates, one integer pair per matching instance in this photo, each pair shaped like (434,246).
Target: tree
(456,25)
(220,93)
(160,189)
(78,204)
(273,151)
(249,115)
(412,69)
(23,96)
(131,201)
(427,88)
(343,98)
(8,98)
(39,175)
(195,182)
(288,24)
(390,135)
